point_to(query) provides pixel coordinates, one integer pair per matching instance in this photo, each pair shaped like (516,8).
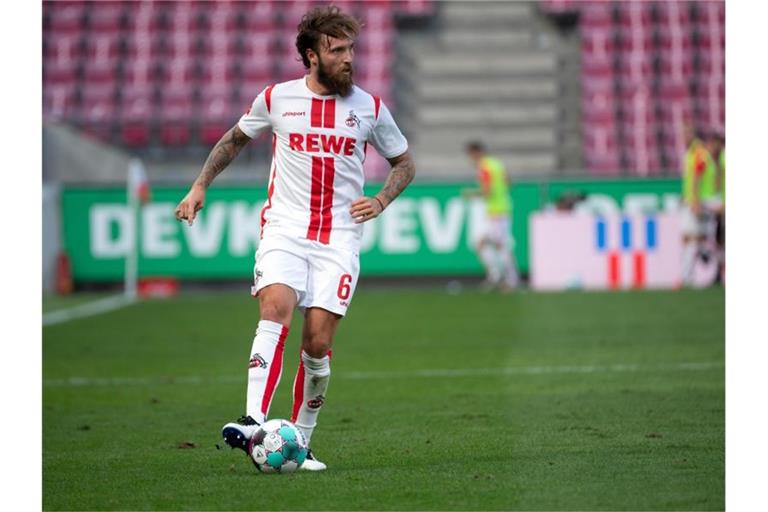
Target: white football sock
(509,270)
(264,368)
(488,258)
(309,389)
(689,261)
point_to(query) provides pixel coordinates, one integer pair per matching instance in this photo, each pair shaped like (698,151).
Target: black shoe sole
(235,438)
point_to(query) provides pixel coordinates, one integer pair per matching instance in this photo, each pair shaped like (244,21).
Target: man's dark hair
(475,145)
(329,21)
(717,135)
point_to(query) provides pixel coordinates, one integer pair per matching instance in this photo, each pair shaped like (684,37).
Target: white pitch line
(456,372)
(88,309)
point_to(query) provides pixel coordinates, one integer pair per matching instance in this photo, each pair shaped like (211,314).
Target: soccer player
(495,245)
(312,220)
(699,201)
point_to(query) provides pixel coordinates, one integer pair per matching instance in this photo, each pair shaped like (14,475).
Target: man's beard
(340,83)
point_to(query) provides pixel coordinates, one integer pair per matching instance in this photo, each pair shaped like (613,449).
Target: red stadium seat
(217,116)
(601,153)
(59,73)
(673,12)
(596,15)
(103,48)
(559,6)
(598,43)
(634,15)
(258,16)
(105,17)
(247,92)
(174,133)
(414,7)
(64,17)
(95,72)
(59,101)
(599,108)
(136,110)
(291,12)
(97,110)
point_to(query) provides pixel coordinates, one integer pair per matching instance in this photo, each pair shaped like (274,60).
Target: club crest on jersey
(352,119)
(257,361)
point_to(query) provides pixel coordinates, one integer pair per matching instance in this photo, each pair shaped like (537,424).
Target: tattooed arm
(219,158)
(402,173)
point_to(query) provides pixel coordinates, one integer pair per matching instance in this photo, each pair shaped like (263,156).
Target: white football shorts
(699,225)
(497,231)
(322,276)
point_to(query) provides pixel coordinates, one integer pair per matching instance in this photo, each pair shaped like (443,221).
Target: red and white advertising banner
(621,251)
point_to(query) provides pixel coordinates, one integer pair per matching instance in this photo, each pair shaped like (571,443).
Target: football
(278,447)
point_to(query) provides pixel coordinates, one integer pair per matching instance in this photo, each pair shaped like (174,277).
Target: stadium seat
(136,110)
(59,101)
(559,6)
(597,43)
(105,17)
(97,110)
(601,153)
(596,15)
(257,16)
(217,115)
(55,73)
(64,17)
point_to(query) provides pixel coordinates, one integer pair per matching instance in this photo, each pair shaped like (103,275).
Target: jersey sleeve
(386,137)
(256,120)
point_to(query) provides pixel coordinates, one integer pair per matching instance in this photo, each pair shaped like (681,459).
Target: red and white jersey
(319,145)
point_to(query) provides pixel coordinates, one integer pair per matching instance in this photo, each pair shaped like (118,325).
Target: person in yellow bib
(495,245)
(717,149)
(700,201)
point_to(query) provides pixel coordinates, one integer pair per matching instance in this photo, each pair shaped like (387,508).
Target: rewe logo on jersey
(317,142)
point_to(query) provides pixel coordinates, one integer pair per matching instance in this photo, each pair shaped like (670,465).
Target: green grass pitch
(532,401)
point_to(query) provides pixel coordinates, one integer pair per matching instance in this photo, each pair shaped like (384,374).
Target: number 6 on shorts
(344,288)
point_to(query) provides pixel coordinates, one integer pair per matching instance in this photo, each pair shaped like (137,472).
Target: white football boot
(312,464)
(237,434)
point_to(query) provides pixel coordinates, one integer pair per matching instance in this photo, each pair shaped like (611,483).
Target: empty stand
(666,60)
(164,74)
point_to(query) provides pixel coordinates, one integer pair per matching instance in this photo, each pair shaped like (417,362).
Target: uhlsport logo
(257,361)
(352,119)
(627,242)
(316,402)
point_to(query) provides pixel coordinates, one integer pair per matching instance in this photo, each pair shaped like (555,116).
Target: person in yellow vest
(700,201)
(717,149)
(495,246)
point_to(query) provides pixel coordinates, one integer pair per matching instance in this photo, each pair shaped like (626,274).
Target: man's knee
(316,344)
(277,304)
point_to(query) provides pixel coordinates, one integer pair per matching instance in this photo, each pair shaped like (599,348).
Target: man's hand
(192,203)
(366,208)
(696,208)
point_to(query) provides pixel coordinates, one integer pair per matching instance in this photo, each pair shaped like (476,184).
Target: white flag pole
(136,177)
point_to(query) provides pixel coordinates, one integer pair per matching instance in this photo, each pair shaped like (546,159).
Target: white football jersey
(318,149)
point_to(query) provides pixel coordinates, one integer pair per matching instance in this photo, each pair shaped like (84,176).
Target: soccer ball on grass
(278,447)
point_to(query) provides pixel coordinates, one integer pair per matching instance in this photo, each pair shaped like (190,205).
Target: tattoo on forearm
(222,155)
(399,178)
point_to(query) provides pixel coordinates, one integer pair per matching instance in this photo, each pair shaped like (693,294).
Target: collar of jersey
(312,93)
